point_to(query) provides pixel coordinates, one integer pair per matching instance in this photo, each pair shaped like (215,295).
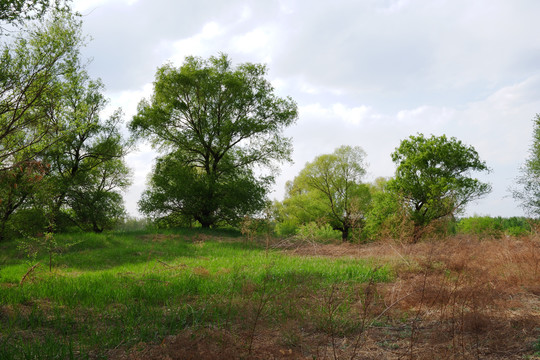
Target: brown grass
(460,298)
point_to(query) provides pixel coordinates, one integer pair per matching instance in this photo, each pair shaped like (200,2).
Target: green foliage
(432,176)
(528,192)
(87,162)
(183,190)
(314,231)
(494,227)
(31,74)
(286,228)
(56,154)
(329,189)
(17,12)
(387,218)
(215,123)
(17,185)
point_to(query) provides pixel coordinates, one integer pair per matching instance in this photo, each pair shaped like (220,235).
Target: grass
(191,294)
(114,291)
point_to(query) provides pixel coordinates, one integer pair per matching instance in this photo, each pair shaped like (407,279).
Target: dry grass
(461,298)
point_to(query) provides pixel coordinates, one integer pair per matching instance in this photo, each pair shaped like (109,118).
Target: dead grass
(461,298)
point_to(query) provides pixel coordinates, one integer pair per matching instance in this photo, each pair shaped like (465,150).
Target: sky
(366,73)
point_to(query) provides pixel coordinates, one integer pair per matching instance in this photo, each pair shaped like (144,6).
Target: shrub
(313,231)
(286,228)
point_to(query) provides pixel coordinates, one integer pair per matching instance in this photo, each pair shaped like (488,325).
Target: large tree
(433,178)
(214,123)
(331,186)
(528,192)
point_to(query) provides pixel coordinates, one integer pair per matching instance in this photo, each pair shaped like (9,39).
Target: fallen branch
(28,273)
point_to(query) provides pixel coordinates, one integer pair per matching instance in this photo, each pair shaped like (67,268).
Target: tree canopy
(433,177)
(215,123)
(16,12)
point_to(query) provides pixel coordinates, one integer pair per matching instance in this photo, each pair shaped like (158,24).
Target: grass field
(205,295)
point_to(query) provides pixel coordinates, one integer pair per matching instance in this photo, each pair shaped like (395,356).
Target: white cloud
(366,73)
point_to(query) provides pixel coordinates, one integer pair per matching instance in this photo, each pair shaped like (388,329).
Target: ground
(457,298)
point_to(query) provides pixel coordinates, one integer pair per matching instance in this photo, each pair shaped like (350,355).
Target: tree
(528,192)
(332,185)
(87,168)
(31,73)
(433,178)
(96,203)
(17,12)
(214,123)
(176,189)
(387,216)
(50,115)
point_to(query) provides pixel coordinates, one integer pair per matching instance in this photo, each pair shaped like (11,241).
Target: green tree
(528,190)
(176,189)
(31,73)
(50,115)
(96,203)
(215,123)
(387,217)
(331,186)
(87,168)
(433,178)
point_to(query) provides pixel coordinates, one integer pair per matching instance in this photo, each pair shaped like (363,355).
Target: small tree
(331,186)
(528,193)
(432,177)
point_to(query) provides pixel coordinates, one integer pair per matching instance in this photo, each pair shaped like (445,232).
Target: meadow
(216,295)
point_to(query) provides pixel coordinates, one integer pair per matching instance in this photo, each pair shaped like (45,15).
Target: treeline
(481,227)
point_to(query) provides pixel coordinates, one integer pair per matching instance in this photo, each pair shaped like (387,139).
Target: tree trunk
(96,228)
(345,234)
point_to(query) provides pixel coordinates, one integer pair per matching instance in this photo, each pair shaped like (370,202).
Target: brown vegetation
(461,298)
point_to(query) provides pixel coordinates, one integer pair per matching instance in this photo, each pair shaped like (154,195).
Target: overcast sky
(364,72)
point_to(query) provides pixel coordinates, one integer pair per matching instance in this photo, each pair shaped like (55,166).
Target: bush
(482,226)
(313,231)
(286,228)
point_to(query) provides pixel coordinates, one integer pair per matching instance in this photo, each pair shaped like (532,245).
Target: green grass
(119,289)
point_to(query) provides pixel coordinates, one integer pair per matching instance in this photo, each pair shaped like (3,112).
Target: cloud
(367,73)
